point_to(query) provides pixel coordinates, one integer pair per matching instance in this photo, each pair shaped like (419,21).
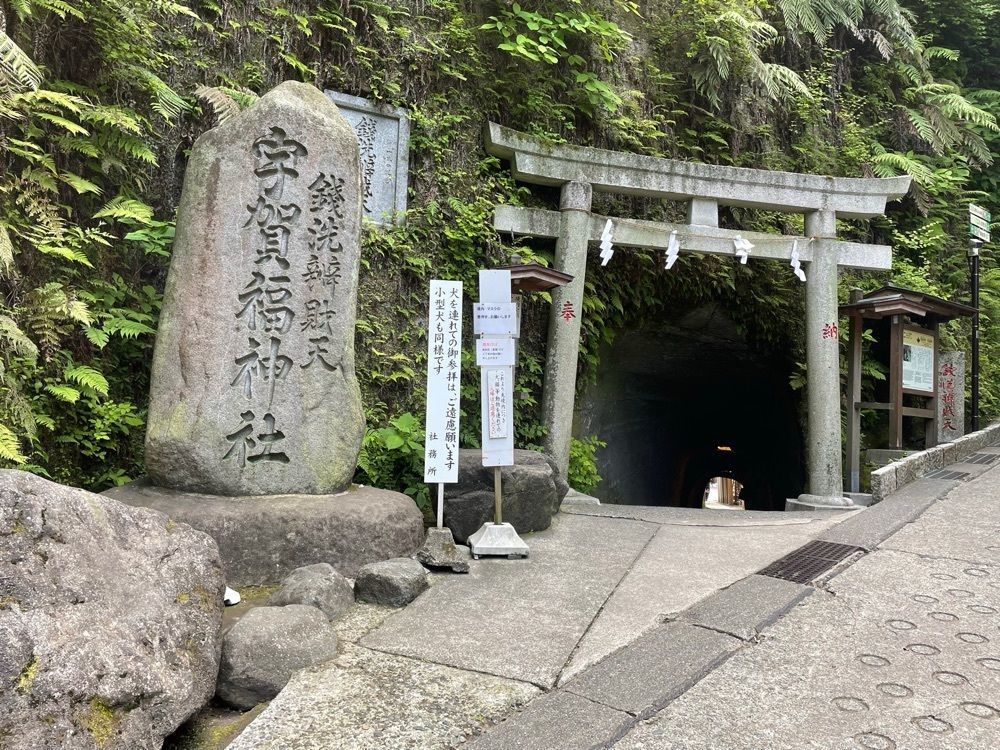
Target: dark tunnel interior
(680,403)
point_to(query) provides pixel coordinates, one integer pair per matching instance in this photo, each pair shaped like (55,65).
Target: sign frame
(917,331)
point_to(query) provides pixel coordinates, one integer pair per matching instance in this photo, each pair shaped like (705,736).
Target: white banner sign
(444,381)
(495,318)
(495,352)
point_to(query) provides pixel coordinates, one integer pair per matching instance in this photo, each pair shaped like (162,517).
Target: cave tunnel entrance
(681,403)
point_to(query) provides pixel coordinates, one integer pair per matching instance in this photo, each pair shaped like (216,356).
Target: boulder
(263,539)
(109,619)
(532,492)
(266,646)
(439,552)
(317,586)
(393,582)
(253,388)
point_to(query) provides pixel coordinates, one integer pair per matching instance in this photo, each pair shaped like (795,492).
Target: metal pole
(974,245)
(440,505)
(498,504)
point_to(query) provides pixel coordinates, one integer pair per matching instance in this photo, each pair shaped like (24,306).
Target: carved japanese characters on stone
(253,387)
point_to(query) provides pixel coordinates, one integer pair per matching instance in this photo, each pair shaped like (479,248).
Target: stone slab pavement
(366,700)
(900,649)
(475,648)
(593,583)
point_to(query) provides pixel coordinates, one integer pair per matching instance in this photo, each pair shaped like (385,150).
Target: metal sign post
(495,321)
(979,232)
(444,382)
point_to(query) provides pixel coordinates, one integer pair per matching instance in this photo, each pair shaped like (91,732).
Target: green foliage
(73,305)
(582,474)
(557,37)
(98,108)
(392,457)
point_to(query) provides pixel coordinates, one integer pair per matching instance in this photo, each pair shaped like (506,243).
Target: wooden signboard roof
(894,300)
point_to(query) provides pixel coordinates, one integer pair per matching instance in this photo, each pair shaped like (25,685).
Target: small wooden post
(440,514)
(931,436)
(896,383)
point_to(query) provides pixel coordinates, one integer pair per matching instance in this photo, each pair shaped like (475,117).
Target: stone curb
(877,523)
(898,474)
(745,608)
(599,706)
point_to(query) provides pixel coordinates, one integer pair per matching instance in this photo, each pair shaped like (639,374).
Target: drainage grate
(947,474)
(981,458)
(809,561)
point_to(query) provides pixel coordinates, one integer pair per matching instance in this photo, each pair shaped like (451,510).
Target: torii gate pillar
(562,352)
(823,368)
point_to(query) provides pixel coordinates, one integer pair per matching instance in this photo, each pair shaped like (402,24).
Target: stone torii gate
(579,171)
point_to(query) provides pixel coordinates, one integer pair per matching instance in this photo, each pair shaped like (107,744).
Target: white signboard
(979,222)
(918,361)
(496,380)
(444,382)
(495,317)
(494,352)
(496,403)
(498,416)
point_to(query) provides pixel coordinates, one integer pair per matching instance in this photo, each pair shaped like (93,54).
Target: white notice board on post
(496,321)
(495,352)
(918,360)
(444,382)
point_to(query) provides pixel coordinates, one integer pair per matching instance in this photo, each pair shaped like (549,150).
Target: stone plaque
(951,396)
(384,142)
(253,386)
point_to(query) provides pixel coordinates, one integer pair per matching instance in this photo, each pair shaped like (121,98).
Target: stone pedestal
(532,492)
(263,539)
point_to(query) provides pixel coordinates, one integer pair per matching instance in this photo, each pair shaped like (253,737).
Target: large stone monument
(253,386)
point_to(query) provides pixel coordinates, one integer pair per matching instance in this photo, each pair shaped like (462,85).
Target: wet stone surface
(905,655)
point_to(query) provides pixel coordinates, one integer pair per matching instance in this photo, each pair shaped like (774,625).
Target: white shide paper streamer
(606,248)
(796,265)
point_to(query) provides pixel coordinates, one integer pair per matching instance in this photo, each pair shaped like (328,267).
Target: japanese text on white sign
(495,318)
(918,361)
(444,362)
(495,352)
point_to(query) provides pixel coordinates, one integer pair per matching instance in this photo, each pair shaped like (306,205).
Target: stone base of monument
(498,540)
(809,502)
(264,538)
(439,551)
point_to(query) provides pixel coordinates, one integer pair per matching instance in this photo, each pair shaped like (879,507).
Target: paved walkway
(899,649)
(650,629)
(476,647)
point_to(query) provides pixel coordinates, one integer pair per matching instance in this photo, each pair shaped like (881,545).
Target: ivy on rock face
(98,109)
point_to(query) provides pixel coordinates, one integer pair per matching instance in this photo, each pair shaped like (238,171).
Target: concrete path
(594,582)
(897,648)
(475,648)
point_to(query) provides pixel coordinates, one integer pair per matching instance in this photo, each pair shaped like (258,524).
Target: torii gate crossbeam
(580,170)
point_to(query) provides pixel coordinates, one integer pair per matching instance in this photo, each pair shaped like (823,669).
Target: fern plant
(75,157)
